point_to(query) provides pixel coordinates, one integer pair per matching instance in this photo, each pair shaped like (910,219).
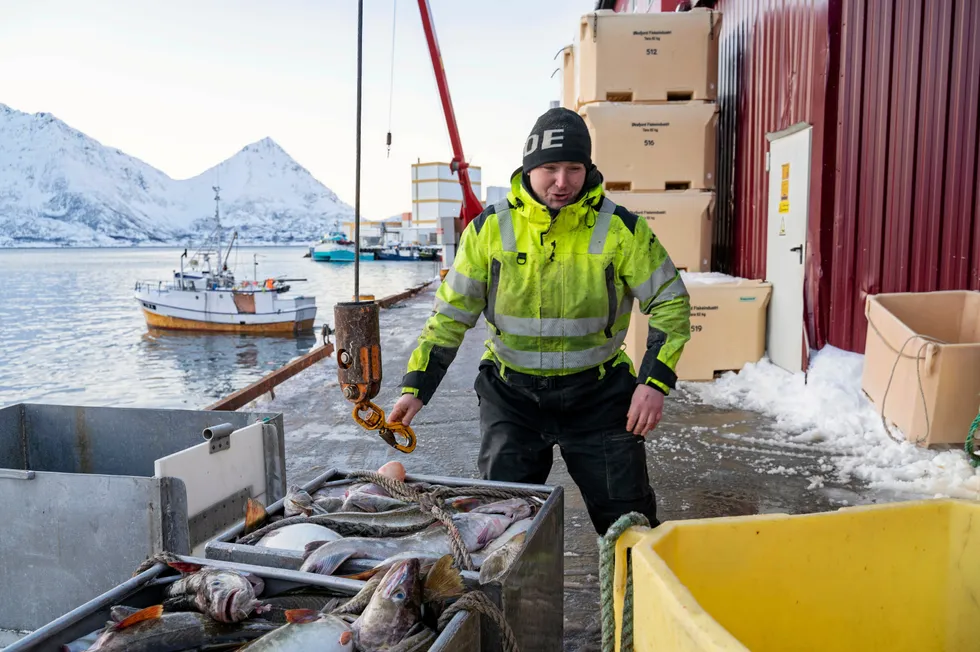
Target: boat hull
(226,311)
(163,322)
(337,256)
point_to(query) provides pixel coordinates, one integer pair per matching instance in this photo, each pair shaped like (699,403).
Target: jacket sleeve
(653,280)
(459,301)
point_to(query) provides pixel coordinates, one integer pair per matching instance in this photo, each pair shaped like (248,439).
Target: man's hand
(645,410)
(405,409)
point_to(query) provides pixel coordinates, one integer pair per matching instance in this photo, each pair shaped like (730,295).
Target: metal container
(114,486)
(146,589)
(530,594)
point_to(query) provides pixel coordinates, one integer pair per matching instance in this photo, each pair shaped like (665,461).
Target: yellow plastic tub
(899,576)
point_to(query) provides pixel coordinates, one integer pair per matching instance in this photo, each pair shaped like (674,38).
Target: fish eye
(399,595)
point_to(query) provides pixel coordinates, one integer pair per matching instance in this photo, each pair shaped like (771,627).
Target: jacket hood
(524,199)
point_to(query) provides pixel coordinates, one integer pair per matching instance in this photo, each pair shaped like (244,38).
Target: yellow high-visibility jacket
(556,292)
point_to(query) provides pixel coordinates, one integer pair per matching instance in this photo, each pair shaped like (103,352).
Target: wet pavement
(703,461)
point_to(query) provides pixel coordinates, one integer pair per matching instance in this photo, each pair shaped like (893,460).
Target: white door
(789,200)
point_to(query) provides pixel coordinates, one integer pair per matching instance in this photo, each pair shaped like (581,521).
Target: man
(555,268)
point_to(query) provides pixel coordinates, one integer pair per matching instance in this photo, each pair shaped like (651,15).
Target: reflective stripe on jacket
(556,292)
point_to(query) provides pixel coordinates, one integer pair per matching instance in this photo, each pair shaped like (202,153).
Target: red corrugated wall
(892,89)
(905,216)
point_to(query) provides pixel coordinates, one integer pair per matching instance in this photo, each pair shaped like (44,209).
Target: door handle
(799,248)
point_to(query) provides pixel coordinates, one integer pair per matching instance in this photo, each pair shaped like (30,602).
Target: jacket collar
(580,212)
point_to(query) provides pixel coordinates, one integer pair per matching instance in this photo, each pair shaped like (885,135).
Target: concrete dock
(703,461)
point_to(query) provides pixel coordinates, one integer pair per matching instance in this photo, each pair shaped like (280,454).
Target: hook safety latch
(389,432)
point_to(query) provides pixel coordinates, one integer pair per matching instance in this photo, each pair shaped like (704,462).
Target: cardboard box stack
(647,86)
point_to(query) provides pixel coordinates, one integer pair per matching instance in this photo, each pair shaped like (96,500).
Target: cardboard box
(728,326)
(568,90)
(949,370)
(653,146)
(681,220)
(641,57)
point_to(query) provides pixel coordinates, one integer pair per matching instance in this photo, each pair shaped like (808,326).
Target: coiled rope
(607,572)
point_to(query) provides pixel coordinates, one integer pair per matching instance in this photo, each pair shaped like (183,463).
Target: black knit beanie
(558,135)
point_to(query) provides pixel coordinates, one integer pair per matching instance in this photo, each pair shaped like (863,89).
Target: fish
(152,630)
(279,606)
(498,562)
(227,596)
(296,536)
(306,631)
(394,612)
(328,503)
(403,517)
(366,501)
(333,490)
(298,501)
(477,529)
(255,515)
(512,531)
(410,519)
(478,558)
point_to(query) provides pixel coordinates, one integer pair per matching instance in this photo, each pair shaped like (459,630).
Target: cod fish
(491,552)
(306,631)
(152,630)
(298,501)
(362,500)
(227,596)
(297,536)
(478,528)
(395,610)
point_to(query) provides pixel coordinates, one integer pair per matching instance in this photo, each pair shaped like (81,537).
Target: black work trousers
(523,417)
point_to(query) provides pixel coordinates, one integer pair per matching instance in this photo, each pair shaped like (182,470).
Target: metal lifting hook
(359,370)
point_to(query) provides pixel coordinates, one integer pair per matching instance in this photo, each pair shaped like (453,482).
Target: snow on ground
(829,413)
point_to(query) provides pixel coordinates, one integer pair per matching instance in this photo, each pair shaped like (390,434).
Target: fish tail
(443,581)
(326,564)
(301,615)
(255,514)
(150,613)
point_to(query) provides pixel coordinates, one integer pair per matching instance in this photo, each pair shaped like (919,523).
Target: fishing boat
(409,252)
(335,248)
(208,297)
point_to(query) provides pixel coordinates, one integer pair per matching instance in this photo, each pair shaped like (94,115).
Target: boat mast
(217,219)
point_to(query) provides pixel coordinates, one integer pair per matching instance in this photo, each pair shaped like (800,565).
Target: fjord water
(71,332)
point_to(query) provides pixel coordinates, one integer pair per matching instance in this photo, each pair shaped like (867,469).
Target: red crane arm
(471,206)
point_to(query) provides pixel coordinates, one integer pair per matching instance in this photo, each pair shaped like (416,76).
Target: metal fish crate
(147,589)
(530,594)
(114,486)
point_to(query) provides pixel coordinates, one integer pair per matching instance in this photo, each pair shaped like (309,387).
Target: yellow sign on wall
(784,190)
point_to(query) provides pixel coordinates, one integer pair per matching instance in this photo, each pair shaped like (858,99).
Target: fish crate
(530,593)
(114,486)
(898,576)
(148,589)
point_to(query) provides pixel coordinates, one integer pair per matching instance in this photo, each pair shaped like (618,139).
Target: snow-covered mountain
(60,187)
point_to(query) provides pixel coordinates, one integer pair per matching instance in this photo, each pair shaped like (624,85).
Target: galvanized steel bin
(113,486)
(530,593)
(147,589)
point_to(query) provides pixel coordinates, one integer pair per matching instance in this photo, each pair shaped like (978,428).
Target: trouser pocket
(626,465)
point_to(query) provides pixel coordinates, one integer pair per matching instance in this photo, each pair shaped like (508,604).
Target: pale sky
(185,84)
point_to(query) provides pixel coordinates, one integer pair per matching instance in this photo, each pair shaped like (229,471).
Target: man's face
(557,184)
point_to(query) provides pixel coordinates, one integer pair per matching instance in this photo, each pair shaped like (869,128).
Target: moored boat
(335,248)
(211,299)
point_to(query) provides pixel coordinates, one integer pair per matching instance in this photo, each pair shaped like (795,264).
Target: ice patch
(829,413)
